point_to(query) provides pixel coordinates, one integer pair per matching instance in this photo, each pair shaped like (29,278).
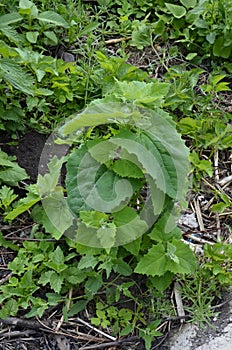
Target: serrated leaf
(162,282)
(10,172)
(25,203)
(141,93)
(47,183)
(17,76)
(106,236)
(154,262)
(93,218)
(53,17)
(176,10)
(53,279)
(125,168)
(129,225)
(88,261)
(158,261)
(134,246)
(122,267)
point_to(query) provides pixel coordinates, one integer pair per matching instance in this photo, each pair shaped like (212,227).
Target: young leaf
(126,168)
(25,203)
(177,258)
(176,10)
(52,17)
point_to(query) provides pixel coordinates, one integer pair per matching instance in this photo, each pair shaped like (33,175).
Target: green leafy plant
(10,172)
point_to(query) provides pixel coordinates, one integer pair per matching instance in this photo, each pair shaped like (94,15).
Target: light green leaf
(176,10)
(51,36)
(141,93)
(53,17)
(189,3)
(125,168)
(88,261)
(186,258)
(106,236)
(191,56)
(74,275)
(47,183)
(58,211)
(154,262)
(32,37)
(162,282)
(25,203)
(10,172)
(122,267)
(28,7)
(158,260)
(17,76)
(93,218)
(10,18)
(134,246)
(53,279)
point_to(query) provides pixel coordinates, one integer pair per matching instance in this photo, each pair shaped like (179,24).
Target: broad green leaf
(141,93)
(10,18)
(92,285)
(176,10)
(10,172)
(219,207)
(52,17)
(58,211)
(39,215)
(220,50)
(24,4)
(47,183)
(129,225)
(107,235)
(87,186)
(162,282)
(53,279)
(57,256)
(10,308)
(159,260)
(125,168)
(154,262)
(122,267)
(32,37)
(93,218)
(74,275)
(186,258)
(24,204)
(51,36)
(190,56)
(14,74)
(88,261)
(28,7)
(189,3)
(75,309)
(134,246)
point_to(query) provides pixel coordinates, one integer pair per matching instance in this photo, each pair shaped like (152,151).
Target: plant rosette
(117,186)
